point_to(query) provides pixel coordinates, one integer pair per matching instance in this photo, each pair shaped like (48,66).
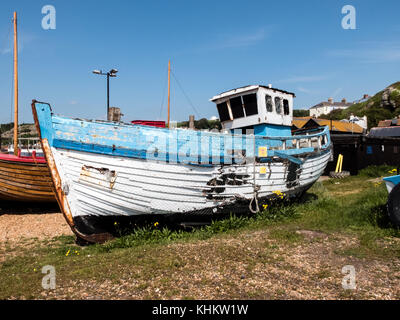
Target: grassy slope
(300,247)
(371,108)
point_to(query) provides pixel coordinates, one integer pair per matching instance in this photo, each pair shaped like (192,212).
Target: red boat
(152,123)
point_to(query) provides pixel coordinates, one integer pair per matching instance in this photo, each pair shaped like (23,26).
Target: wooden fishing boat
(105,170)
(23,177)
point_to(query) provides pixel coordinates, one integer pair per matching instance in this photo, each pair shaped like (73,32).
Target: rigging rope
(186,96)
(163,96)
(5,49)
(255,187)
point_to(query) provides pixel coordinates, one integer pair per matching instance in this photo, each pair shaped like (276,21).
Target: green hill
(25,130)
(383,105)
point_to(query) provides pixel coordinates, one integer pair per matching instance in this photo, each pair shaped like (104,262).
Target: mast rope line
(255,187)
(7,39)
(184,93)
(163,96)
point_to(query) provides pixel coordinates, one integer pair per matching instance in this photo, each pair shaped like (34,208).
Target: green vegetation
(372,108)
(301,113)
(350,208)
(202,124)
(6,127)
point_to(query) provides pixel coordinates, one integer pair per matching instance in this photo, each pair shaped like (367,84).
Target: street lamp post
(112,73)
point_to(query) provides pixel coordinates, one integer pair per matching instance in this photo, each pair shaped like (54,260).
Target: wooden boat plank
(26,189)
(26,172)
(23,177)
(27,184)
(21,195)
(22,166)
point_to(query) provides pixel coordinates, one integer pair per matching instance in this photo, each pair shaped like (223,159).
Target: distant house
(326,107)
(386,128)
(389,123)
(361,121)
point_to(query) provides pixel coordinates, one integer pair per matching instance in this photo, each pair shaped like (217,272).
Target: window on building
(286,107)
(268,103)
(250,104)
(278,105)
(223,111)
(237,107)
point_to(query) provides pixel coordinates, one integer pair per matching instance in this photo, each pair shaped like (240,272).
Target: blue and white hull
(102,169)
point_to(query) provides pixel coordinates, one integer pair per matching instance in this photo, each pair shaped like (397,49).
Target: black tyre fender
(393,205)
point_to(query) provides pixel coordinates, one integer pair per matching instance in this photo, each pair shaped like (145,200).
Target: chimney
(269,85)
(344,100)
(191,122)
(114,114)
(330,100)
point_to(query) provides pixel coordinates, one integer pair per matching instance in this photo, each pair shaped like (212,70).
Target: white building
(326,107)
(361,121)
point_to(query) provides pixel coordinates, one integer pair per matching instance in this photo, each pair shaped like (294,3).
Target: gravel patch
(20,226)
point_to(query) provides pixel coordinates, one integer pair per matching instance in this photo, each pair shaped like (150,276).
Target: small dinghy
(105,170)
(393,204)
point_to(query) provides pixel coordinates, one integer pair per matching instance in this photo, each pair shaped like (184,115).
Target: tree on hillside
(202,124)
(301,113)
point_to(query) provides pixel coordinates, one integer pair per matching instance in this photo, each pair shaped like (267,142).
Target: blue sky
(299,46)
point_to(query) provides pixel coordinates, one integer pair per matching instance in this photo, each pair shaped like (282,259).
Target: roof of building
(335,104)
(245,89)
(385,132)
(389,123)
(338,126)
(299,122)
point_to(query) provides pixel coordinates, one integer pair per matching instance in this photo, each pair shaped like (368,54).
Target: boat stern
(42,116)
(391,182)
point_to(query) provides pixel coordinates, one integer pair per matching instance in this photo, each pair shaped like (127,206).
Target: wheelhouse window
(237,107)
(268,103)
(223,111)
(250,104)
(286,110)
(278,105)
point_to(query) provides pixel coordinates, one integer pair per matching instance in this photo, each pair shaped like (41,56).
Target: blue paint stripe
(145,142)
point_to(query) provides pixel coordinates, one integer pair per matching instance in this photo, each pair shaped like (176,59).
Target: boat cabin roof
(245,89)
(254,105)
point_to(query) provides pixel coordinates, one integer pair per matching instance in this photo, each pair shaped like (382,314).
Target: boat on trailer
(105,170)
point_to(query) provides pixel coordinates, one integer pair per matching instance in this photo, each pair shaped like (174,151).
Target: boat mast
(169,88)
(15,86)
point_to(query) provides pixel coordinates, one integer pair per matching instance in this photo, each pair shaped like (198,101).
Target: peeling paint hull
(97,185)
(151,188)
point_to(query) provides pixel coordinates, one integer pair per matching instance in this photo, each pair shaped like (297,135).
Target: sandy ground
(20,221)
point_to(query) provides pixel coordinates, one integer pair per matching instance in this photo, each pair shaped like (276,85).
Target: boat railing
(27,145)
(319,139)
